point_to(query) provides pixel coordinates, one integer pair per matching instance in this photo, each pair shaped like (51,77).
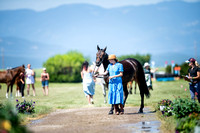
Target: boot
(116,109)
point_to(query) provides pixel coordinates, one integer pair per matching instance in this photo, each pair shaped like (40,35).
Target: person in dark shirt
(194,76)
(45,82)
(22,83)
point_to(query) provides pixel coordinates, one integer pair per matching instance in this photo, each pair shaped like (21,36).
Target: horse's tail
(140,78)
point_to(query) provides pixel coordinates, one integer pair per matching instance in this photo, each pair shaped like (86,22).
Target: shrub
(164,102)
(25,106)
(184,69)
(167,111)
(184,107)
(9,120)
(66,67)
(188,124)
(141,58)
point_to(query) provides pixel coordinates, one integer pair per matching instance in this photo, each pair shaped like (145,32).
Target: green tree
(184,69)
(65,68)
(168,69)
(141,58)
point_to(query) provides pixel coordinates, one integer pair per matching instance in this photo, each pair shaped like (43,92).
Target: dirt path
(95,120)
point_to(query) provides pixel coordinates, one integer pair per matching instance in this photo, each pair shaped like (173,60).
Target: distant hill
(18,51)
(166,30)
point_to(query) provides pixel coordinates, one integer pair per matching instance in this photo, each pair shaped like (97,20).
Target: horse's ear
(105,49)
(98,47)
(23,66)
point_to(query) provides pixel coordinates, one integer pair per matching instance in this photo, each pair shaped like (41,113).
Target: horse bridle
(101,59)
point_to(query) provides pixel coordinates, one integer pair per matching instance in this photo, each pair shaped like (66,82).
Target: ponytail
(196,64)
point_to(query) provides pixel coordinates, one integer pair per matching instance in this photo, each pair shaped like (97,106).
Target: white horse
(100,80)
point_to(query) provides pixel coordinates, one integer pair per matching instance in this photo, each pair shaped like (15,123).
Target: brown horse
(133,70)
(18,86)
(9,77)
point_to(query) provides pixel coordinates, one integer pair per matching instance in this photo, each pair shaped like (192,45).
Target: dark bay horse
(9,76)
(133,70)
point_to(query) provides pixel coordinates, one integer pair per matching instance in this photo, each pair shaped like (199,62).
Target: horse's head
(100,55)
(21,69)
(17,70)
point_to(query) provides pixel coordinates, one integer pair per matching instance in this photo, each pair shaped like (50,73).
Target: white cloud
(191,24)
(126,11)
(34,47)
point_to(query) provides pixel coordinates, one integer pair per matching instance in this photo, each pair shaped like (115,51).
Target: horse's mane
(13,68)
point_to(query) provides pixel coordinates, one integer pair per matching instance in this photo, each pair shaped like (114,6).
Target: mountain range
(168,31)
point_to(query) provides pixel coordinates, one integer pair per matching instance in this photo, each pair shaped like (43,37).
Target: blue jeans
(45,83)
(195,87)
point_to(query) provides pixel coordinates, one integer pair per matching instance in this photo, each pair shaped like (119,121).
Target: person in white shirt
(30,79)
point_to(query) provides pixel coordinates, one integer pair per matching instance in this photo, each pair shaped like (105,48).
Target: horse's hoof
(110,112)
(140,111)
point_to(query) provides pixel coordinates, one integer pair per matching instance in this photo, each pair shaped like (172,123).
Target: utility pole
(2,53)
(195,50)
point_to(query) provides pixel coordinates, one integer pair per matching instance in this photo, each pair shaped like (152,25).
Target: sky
(107,39)
(41,5)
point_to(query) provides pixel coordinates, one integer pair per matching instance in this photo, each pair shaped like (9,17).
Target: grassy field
(70,95)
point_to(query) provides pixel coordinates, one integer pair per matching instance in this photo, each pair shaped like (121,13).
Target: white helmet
(146,64)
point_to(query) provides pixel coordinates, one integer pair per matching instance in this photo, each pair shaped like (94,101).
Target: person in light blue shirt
(88,82)
(115,94)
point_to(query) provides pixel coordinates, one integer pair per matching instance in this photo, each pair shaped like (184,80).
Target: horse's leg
(103,86)
(130,85)
(19,89)
(7,90)
(11,90)
(125,92)
(135,87)
(16,91)
(142,103)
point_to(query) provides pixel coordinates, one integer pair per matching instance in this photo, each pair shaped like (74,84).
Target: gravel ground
(95,120)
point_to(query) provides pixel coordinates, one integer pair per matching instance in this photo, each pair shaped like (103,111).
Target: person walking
(115,94)
(30,79)
(88,82)
(45,82)
(194,77)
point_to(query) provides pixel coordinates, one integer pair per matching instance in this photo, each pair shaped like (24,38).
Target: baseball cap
(190,60)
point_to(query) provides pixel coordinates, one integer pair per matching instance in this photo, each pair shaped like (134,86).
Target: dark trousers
(22,86)
(195,87)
